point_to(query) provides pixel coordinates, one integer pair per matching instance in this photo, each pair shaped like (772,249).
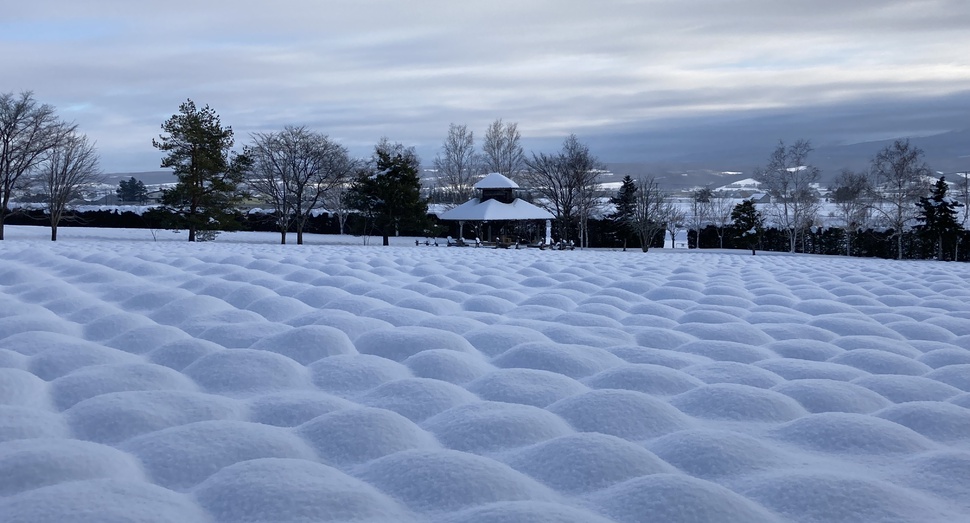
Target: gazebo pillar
(548,232)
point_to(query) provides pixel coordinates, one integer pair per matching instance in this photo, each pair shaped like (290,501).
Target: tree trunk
(387,240)
(53,232)
(299,234)
(283,237)
(191,233)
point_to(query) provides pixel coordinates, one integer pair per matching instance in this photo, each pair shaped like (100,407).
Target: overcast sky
(827,70)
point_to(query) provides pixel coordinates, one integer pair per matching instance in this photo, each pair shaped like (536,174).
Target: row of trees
(41,153)
(892,194)
(296,171)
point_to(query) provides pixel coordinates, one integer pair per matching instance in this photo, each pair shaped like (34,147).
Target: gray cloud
(362,69)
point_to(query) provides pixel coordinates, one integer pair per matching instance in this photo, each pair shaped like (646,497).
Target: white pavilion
(497,202)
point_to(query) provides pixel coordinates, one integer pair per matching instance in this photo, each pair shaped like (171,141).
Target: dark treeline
(602,233)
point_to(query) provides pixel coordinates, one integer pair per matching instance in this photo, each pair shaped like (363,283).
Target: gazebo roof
(489,210)
(496,181)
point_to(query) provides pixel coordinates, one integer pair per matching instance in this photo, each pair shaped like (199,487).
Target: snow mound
(89,382)
(626,414)
(233,330)
(349,373)
(246,370)
(307,344)
(114,417)
(832,396)
(400,343)
(738,333)
(32,463)
(945,356)
(584,462)
(100,501)
(955,375)
(900,389)
(448,480)
(538,388)
(839,432)
(827,497)
(489,426)
(675,498)
(716,453)
(730,401)
(733,372)
(790,369)
(292,408)
(181,353)
(805,349)
(942,473)
(936,420)
(492,341)
(25,423)
(357,435)
(276,489)
(71,354)
(649,379)
(417,398)
(651,356)
(661,338)
(448,365)
(20,388)
(881,362)
(726,350)
(183,456)
(575,361)
(523,511)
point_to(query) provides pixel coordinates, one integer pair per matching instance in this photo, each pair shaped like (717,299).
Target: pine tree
(199,151)
(938,215)
(132,190)
(748,224)
(388,191)
(625,204)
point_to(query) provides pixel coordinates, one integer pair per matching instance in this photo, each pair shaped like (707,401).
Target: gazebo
(497,202)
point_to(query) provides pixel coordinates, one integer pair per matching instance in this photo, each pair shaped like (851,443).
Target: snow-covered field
(237,381)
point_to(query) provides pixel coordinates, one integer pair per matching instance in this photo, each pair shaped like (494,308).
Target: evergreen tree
(387,192)
(132,190)
(938,215)
(624,204)
(199,151)
(748,224)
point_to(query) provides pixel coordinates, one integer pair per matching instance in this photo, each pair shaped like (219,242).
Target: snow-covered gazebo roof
(496,181)
(490,208)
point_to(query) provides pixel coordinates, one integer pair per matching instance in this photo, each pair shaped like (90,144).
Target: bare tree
(719,211)
(28,131)
(71,165)
(334,202)
(649,211)
(699,209)
(674,218)
(789,179)
(565,183)
(900,178)
(458,163)
(502,149)
(849,195)
(293,169)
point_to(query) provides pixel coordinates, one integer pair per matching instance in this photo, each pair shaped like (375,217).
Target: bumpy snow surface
(250,382)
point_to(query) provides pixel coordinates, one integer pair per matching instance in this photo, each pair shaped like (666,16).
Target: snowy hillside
(241,381)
